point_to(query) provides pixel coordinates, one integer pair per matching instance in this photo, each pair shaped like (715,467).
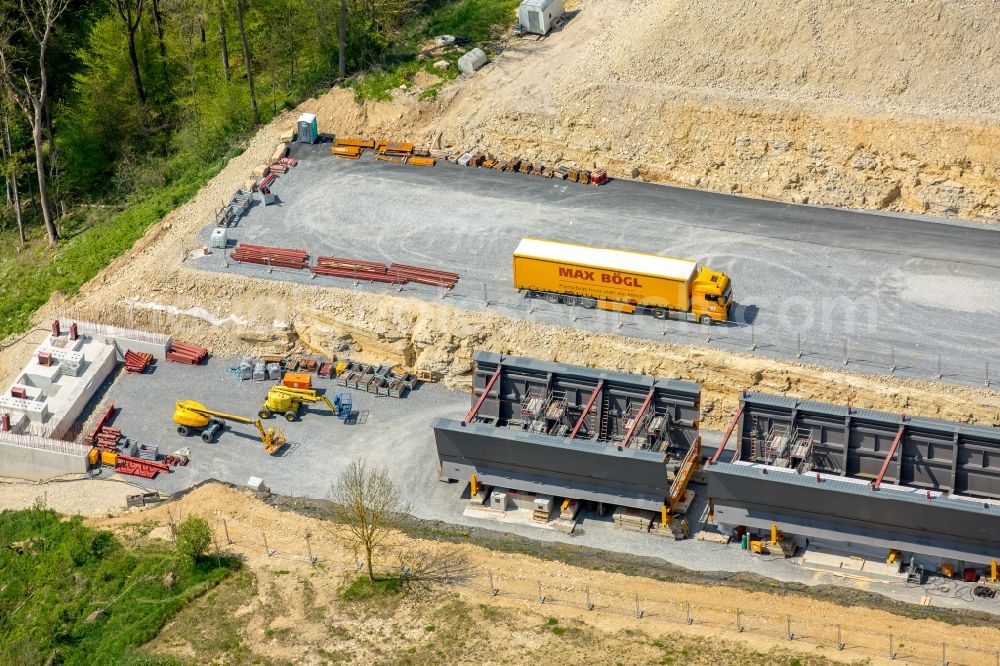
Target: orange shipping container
(297,380)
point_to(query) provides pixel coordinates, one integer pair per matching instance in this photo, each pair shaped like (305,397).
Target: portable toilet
(536,16)
(308,128)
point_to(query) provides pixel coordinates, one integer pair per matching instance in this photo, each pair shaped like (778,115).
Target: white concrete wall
(138,341)
(37,458)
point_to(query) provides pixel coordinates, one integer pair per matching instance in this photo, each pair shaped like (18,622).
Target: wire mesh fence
(651,606)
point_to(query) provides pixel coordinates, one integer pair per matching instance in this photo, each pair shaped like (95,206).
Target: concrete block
(255,483)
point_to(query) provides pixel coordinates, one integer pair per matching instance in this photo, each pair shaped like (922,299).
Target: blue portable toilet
(308,128)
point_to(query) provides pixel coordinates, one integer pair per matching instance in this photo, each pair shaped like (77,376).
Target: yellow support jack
(893,556)
(774,534)
(664,516)
(473,486)
(993,571)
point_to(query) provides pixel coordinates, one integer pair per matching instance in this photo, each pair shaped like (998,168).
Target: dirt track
(286,580)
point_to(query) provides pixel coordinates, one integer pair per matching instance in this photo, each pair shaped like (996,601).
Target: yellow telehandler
(288,402)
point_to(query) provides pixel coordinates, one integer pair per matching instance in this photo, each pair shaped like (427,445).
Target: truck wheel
(265,414)
(551,298)
(291,416)
(659,313)
(589,303)
(571,300)
(705,320)
(183,431)
(208,436)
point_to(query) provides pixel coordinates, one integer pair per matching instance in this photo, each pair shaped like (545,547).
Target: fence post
(312,560)
(753,338)
(493,588)
(892,358)
(939,373)
(590,606)
(229,541)
(846,359)
(788,619)
(892,653)
(267,549)
(986,382)
(798,345)
(687,612)
(486,296)
(944,654)
(840,643)
(739,620)
(638,608)
(541,597)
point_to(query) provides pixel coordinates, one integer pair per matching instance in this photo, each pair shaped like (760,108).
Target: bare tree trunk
(125,11)
(371,571)
(158,21)
(43,190)
(246,60)
(223,43)
(342,29)
(53,166)
(136,77)
(12,192)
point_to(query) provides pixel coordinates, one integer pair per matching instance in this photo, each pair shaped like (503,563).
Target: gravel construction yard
(396,433)
(883,291)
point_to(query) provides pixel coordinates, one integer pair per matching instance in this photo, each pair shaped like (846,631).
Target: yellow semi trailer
(620,280)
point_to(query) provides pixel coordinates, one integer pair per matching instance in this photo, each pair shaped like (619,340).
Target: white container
(536,16)
(219,237)
(472,61)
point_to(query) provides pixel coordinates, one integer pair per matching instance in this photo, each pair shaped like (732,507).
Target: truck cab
(711,296)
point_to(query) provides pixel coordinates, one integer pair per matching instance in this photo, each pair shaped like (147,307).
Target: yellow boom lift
(288,401)
(191,416)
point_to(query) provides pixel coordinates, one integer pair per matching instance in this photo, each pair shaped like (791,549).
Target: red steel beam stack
(404,273)
(288,161)
(107,438)
(183,352)
(100,423)
(264,182)
(270,256)
(147,469)
(357,269)
(137,362)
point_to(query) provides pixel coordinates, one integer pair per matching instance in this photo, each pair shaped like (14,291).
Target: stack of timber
(637,520)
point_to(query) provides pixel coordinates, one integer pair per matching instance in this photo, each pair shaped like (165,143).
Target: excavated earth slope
(883,104)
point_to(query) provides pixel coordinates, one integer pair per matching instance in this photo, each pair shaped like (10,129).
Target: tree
(246,59)
(30,86)
(193,537)
(370,504)
(10,176)
(222,41)
(130,12)
(342,40)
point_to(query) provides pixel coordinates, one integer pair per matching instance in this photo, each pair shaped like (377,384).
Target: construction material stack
(184,352)
(270,256)
(137,362)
